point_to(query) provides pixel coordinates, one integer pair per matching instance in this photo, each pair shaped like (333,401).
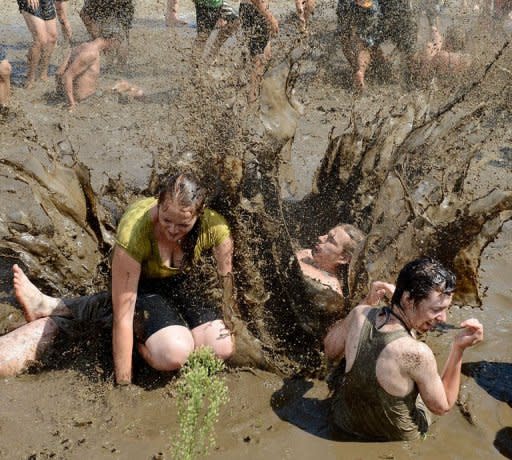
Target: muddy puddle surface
(69,408)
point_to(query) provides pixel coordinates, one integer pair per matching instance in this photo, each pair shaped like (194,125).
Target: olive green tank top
(361,407)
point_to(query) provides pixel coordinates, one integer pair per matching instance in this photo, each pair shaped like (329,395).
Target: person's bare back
(78,76)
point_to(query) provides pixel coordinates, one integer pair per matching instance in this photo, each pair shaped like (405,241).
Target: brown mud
(419,169)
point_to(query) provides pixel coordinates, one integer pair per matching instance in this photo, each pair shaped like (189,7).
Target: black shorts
(160,303)
(255,27)
(105,12)
(45,10)
(367,23)
(399,25)
(206,17)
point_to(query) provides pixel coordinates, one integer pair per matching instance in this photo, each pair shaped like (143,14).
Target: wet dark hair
(420,277)
(186,191)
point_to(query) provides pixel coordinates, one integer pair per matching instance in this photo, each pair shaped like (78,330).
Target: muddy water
(69,409)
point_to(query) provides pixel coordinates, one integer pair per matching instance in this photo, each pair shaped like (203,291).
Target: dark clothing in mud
(361,407)
(326,306)
(45,11)
(366,21)
(255,27)
(110,12)
(160,303)
(208,14)
(376,21)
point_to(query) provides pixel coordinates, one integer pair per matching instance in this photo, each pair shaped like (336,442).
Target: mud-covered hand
(472,334)
(230,310)
(378,291)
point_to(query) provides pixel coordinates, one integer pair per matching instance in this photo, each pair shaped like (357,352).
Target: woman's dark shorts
(160,303)
(45,10)
(255,27)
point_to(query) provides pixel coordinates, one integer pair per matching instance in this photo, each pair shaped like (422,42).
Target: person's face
(426,313)
(329,251)
(175,221)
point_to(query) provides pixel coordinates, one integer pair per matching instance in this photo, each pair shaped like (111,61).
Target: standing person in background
(171,14)
(5,81)
(99,16)
(259,24)
(62,14)
(304,9)
(211,14)
(40,17)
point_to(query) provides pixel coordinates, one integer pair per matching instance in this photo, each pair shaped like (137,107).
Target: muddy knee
(167,354)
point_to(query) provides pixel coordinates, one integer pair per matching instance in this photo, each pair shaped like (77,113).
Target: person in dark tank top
(391,381)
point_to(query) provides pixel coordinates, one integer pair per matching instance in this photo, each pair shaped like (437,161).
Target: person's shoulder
(414,354)
(210,218)
(360,312)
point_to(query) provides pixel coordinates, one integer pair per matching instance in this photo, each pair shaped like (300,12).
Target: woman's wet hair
(420,277)
(185,190)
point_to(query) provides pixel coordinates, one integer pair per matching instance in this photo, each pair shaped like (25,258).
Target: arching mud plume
(417,180)
(424,183)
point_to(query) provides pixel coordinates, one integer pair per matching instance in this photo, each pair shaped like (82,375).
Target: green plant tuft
(200,394)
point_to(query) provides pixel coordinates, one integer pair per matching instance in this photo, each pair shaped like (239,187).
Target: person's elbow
(331,348)
(439,407)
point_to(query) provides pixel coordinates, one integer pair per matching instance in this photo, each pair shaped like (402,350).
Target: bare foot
(359,85)
(34,303)
(29,84)
(174,21)
(44,77)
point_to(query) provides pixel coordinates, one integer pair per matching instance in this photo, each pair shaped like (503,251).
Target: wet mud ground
(69,408)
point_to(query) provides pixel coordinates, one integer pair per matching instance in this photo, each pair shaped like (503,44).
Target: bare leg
(309,7)
(24,345)
(299,6)
(216,335)
(51,33)
(258,69)
(37,28)
(171,15)
(226,30)
(62,14)
(35,304)
(363,61)
(167,349)
(5,82)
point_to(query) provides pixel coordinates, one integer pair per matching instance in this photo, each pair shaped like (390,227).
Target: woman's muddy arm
(224,257)
(125,279)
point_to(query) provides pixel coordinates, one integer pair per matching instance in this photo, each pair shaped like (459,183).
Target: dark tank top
(361,407)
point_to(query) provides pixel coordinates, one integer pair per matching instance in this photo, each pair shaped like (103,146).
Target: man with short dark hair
(390,376)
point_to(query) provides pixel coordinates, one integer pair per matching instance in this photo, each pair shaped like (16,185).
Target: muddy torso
(85,84)
(362,407)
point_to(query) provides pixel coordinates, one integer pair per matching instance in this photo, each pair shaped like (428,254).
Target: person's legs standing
(62,13)
(5,80)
